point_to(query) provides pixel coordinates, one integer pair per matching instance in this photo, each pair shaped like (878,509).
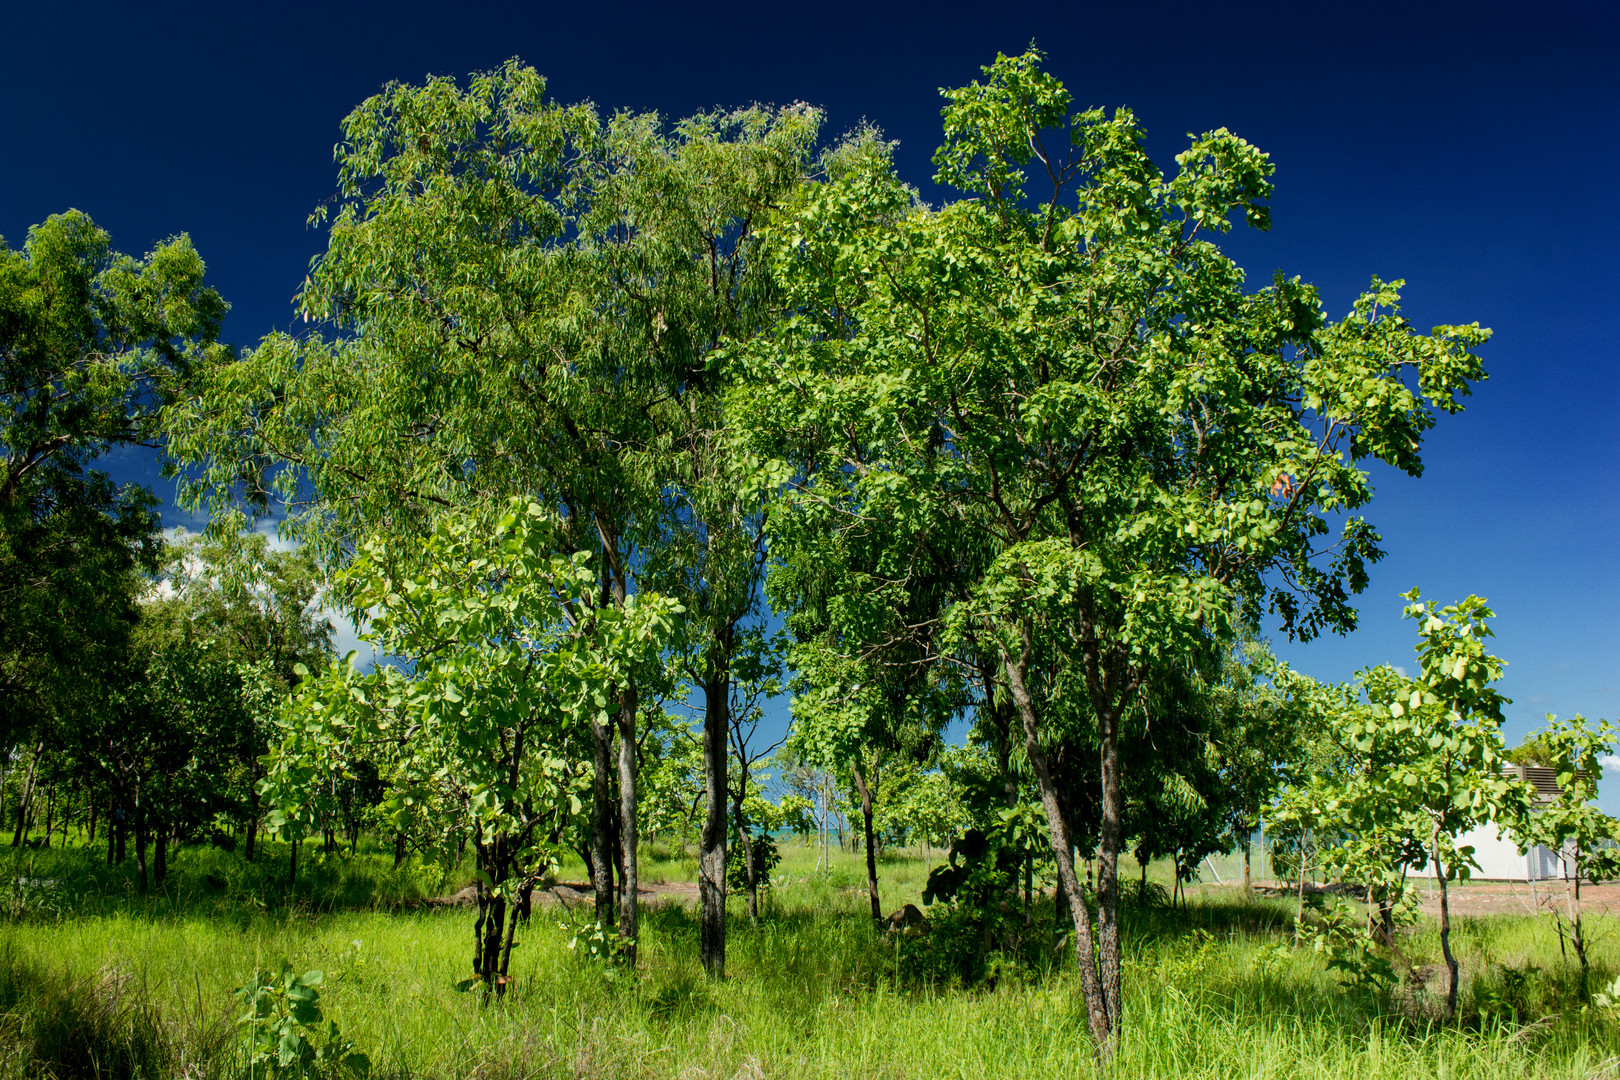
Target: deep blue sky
(1472,150)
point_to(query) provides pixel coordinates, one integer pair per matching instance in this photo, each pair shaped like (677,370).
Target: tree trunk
(629,839)
(292,866)
(90,834)
(1113,817)
(1248,843)
(871,848)
(490,934)
(253,812)
(1445,930)
(50,813)
(602,823)
(1097,1016)
(399,850)
(712,840)
(160,855)
(140,845)
(746,839)
(1572,896)
(25,798)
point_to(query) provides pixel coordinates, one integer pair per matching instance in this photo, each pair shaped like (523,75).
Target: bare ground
(1488,897)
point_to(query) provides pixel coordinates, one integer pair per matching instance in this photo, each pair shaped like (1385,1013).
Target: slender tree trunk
(25,798)
(292,866)
(90,836)
(1111,838)
(140,843)
(1299,909)
(1062,849)
(865,792)
(629,839)
(712,841)
(160,854)
(399,850)
(1445,930)
(1572,896)
(1248,844)
(50,813)
(602,824)
(746,840)
(252,845)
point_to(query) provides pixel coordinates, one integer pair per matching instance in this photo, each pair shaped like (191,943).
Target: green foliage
(1117,442)
(509,655)
(92,343)
(285,1037)
(766,858)
(1570,823)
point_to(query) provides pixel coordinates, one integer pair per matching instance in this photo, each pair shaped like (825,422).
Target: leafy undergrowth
(142,988)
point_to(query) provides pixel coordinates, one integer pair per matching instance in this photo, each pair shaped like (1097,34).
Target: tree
(520,298)
(509,646)
(254,608)
(92,343)
(1568,822)
(1422,765)
(1063,364)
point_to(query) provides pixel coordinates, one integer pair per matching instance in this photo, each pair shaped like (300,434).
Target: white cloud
(1401,671)
(1609,761)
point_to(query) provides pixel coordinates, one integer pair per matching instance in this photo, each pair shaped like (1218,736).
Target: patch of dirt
(569,894)
(1483,898)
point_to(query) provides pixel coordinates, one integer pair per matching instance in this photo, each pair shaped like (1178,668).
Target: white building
(1498,854)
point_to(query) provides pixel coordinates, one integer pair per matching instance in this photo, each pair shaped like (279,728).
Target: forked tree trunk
(712,840)
(865,792)
(629,870)
(1097,1017)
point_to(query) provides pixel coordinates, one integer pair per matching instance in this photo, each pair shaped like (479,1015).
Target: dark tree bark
(745,838)
(399,850)
(865,792)
(25,798)
(602,824)
(712,840)
(1110,839)
(629,868)
(1445,929)
(140,848)
(160,854)
(1097,1016)
(252,845)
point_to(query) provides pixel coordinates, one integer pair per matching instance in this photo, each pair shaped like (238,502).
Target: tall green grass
(814,990)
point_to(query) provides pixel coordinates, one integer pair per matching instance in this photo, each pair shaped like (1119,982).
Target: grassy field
(93,977)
